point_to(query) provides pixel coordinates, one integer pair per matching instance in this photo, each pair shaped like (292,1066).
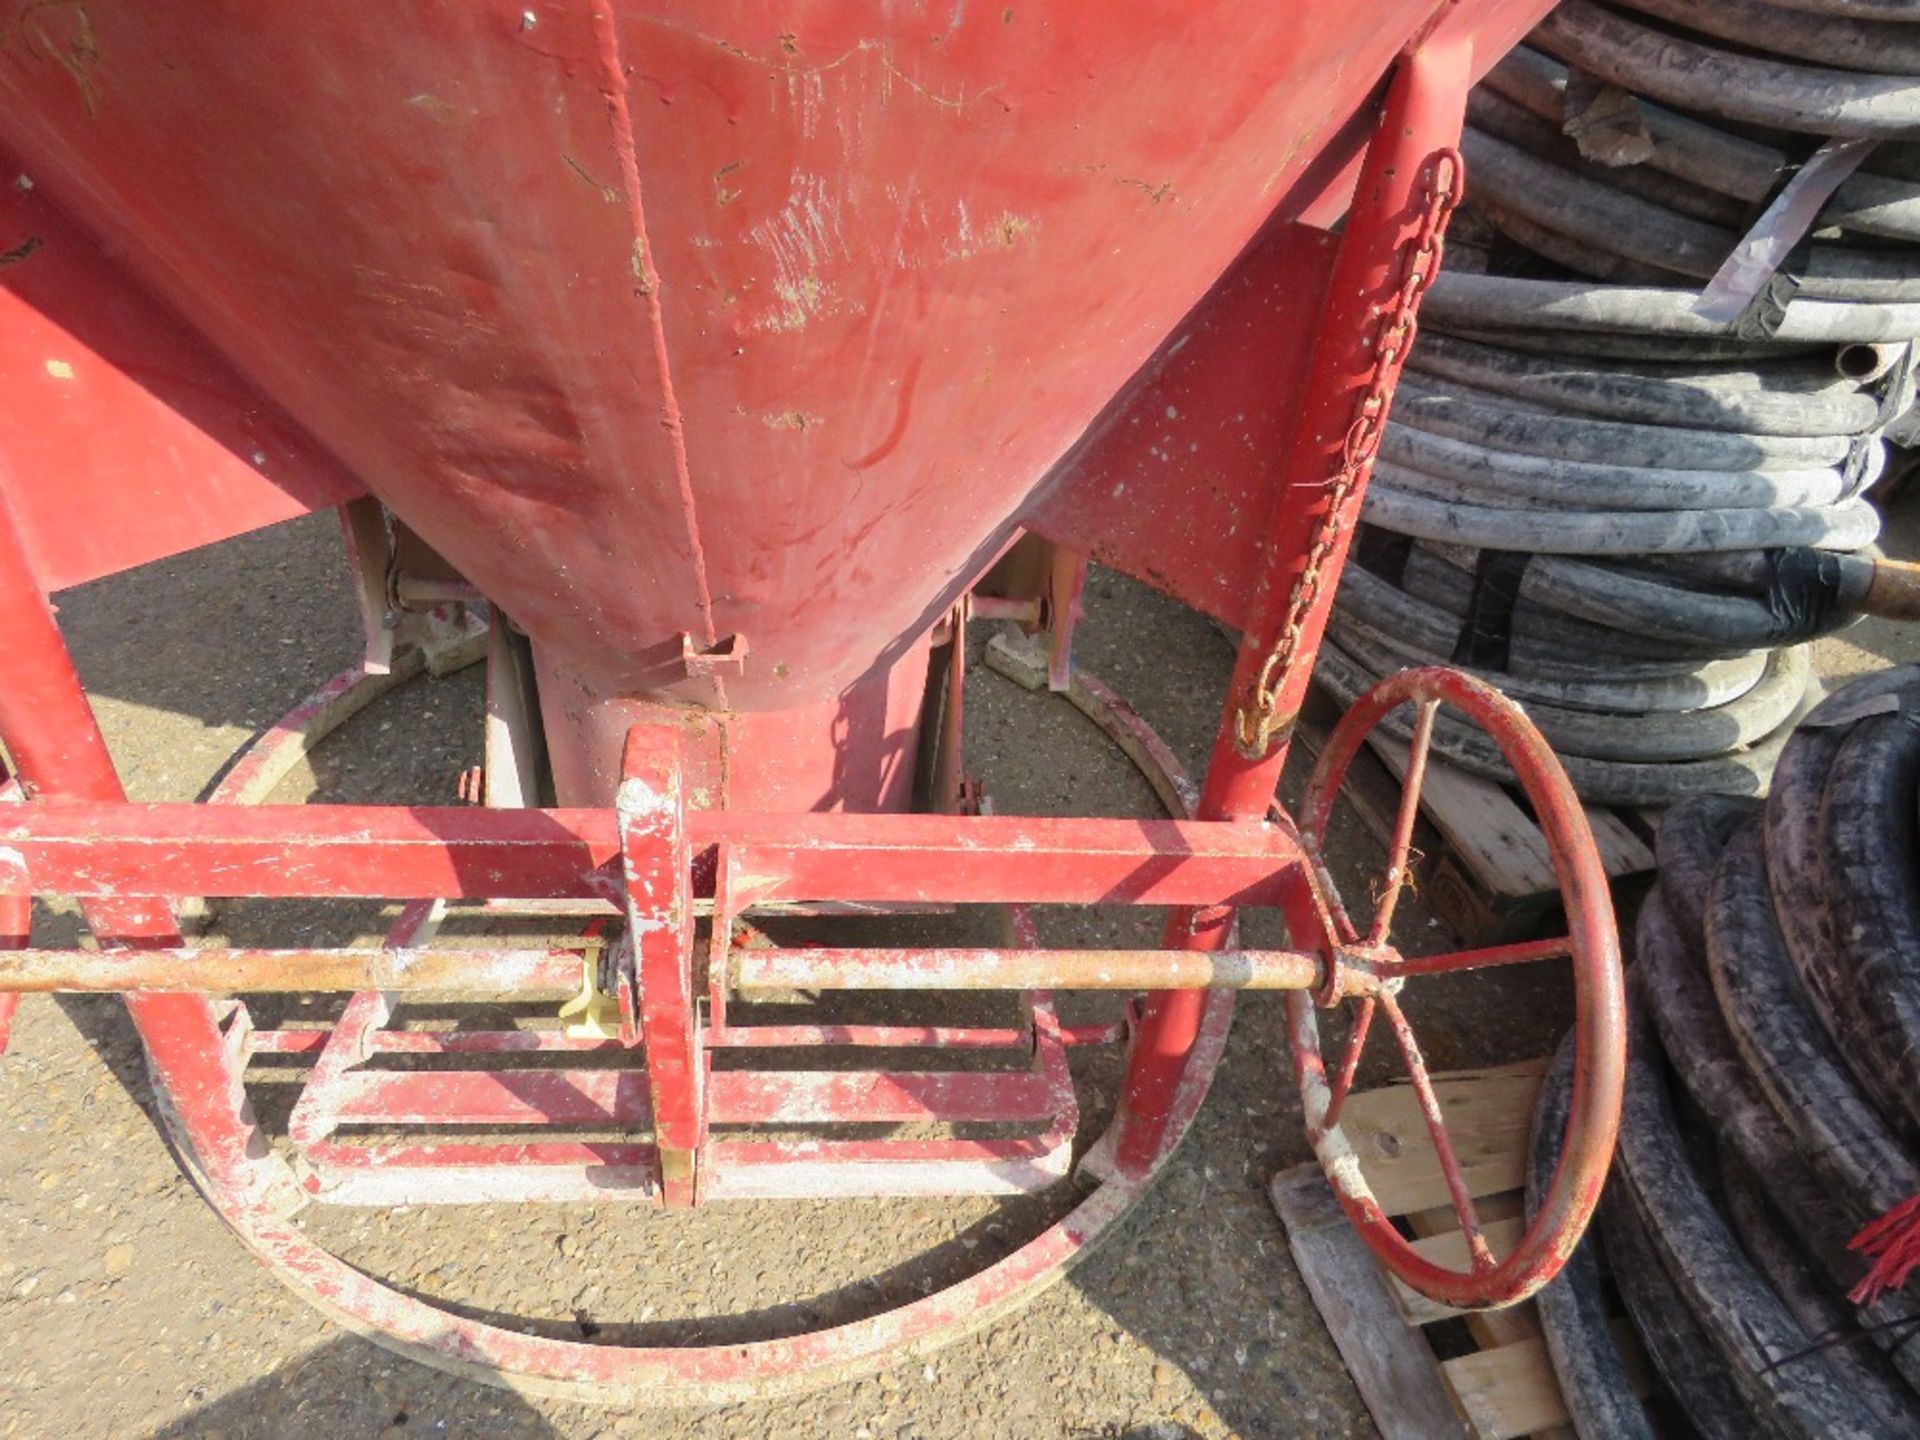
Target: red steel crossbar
(108,851)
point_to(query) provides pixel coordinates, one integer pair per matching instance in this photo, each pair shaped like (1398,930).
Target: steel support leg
(1424,111)
(50,734)
(658,867)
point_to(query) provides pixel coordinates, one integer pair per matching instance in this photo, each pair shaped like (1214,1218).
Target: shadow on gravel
(103,1022)
(329,1391)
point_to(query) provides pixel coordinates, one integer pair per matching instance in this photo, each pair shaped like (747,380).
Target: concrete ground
(126,1309)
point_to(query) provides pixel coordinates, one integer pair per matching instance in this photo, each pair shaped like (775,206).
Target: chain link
(1255,724)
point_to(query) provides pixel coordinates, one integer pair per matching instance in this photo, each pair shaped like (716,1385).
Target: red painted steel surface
(691,320)
(394,853)
(853,752)
(726,351)
(123,437)
(1171,483)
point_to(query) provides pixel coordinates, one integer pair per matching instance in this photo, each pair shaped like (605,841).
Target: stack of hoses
(1626,514)
(1773,1104)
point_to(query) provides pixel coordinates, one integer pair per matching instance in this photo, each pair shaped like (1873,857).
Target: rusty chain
(1256,724)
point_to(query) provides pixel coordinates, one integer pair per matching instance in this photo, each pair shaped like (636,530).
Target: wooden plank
(1508,1391)
(1485,868)
(1478,818)
(1390,1361)
(1488,1113)
(1449,1248)
(1512,1391)
(1506,1388)
(1483,820)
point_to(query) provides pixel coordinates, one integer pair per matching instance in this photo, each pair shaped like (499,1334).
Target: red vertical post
(1308,531)
(56,747)
(658,866)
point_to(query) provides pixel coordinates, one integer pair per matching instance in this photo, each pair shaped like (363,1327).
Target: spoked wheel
(1371,973)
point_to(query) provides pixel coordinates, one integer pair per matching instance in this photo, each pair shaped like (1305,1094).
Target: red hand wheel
(1371,973)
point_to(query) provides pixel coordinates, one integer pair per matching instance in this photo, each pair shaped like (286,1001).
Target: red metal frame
(659,857)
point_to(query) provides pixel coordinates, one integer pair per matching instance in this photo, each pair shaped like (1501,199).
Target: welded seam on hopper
(613,88)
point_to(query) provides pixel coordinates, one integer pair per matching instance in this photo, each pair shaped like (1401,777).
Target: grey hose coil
(1783,399)
(1712,160)
(1482,417)
(1450,590)
(1874,46)
(1865,9)
(1639,346)
(1431,576)
(1609,596)
(1717,682)
(1652,235)
(1433,628)
(1850,525)
(1434,632)
(1491,113)
(1605,782)
(1647,606)
(1682,736)
(1575,1316)
(1477,302)
(1581,255)
(1737,87)
(1626,514)
(1410,459)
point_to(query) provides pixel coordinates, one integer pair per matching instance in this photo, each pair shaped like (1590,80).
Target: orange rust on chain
(1255,725)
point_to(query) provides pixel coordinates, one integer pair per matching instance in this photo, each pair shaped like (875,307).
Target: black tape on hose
(1803,588)
(1487,633)
(1384,553)
(1896,391)
(1768,308)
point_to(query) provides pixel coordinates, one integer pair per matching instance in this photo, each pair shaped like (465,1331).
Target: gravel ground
(126,1309)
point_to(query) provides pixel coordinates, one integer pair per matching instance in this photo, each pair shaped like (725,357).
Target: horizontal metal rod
(231,972)
(505,972)
(757,970)
(1523,953)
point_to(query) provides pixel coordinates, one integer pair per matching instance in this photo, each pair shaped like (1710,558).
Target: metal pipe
(399,852)
(1126,970)
(509,972)
(232,972)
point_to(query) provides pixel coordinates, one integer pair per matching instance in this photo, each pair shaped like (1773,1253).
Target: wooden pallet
(1483,866)
(1503,1385)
